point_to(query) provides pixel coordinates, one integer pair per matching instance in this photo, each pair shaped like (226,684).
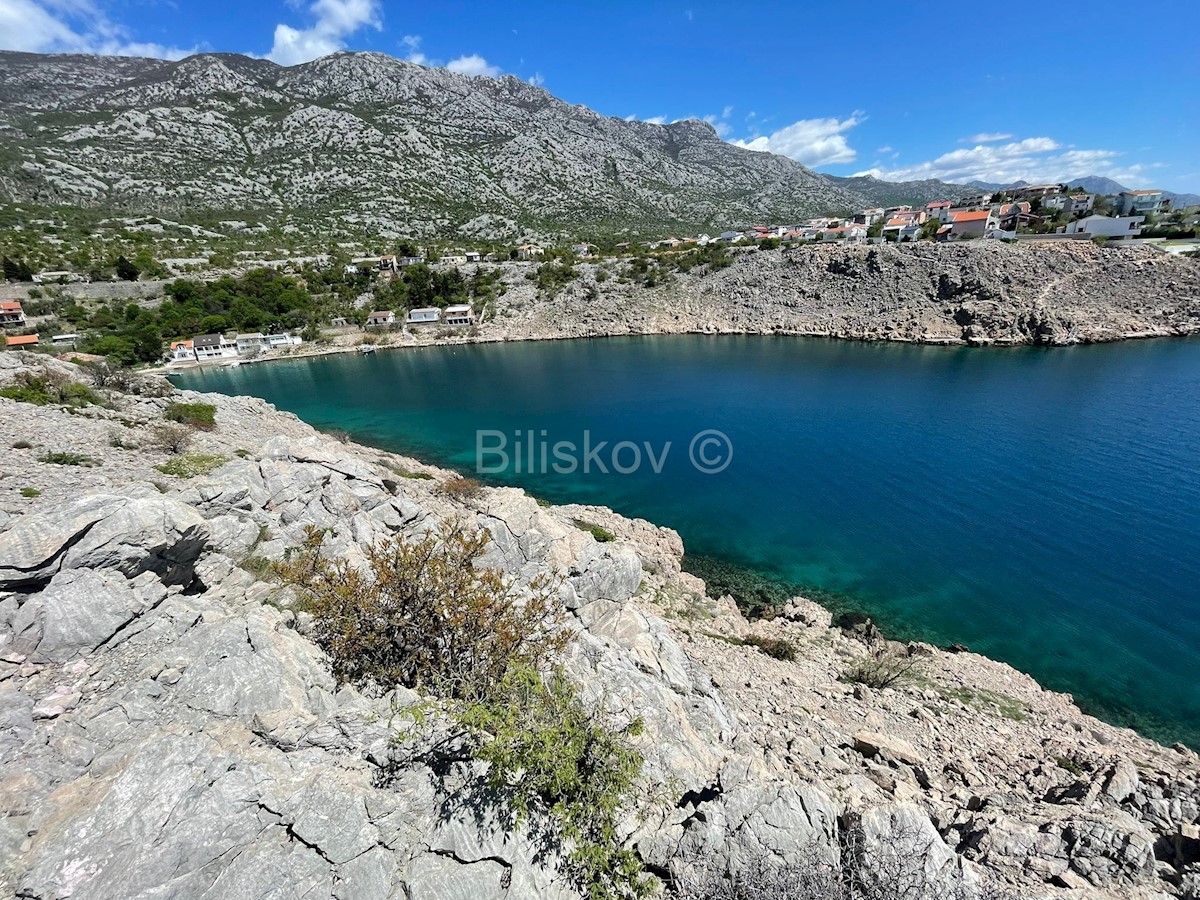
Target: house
(21,340)
(388,263)
(939,210)
(529,252)
(11,315)
(851,232)
(583,249)
(61,340)
(1108,226)
(406,261)
(380,318)
(869,216)
(1032,191)
(1140,203)
(275,341)
(426,315)
(182,351)
(473,256)
(454,258)
(974,201)
(965,224)
(350,269)
(251,344)
(214,346)
(460,314)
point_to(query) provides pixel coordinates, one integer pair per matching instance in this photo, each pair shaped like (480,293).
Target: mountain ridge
(369,139)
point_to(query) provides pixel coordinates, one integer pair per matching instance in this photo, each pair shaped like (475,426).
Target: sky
(900,89)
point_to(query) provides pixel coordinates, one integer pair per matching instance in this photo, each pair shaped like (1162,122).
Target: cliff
(169,728)
(980,292)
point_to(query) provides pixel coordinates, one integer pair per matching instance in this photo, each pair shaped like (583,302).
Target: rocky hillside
(168,727)
(375,141)
(977,293)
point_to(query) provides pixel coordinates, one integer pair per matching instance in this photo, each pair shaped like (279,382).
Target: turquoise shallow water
(1040,506)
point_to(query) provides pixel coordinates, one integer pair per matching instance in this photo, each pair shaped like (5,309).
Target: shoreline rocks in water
(169,728)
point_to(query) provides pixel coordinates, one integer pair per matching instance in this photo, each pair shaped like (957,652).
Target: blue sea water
(1040,506)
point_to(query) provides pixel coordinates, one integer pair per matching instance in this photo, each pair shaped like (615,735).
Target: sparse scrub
(60,458)
(117,439)
(424,615)
(883,668)
(462,488)
(776,648)
(191,465)
(172,437)
(556,757)
(601,534)
(22,445)
(49,388)
(30,492)
(196,415)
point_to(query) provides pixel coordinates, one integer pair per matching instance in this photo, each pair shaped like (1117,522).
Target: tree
(126,270)
(16,270)
(875,229)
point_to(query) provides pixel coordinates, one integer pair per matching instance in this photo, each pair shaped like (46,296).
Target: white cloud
(651,120)
(813,142)
(71,26)
(537,80)
(473,65)
(1038,160)
(335,21)
(414,55)
(985,137)
(884,149)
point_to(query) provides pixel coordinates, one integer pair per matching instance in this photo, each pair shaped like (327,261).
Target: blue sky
(899,88)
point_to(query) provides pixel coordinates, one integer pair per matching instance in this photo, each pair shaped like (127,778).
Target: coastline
(1110,703)
(983,294)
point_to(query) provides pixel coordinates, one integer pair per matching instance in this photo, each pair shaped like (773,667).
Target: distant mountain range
(369,143)
(1093,184)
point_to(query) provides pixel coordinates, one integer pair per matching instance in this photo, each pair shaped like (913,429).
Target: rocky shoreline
(980,293)
(168,728)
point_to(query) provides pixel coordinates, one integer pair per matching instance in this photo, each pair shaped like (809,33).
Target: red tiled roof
(175,344)
(21,340)
(939,205)
(971,216)
(386,312)
(10,306)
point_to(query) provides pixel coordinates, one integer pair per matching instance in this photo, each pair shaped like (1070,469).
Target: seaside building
(11,315)
(459,314)
(426,315)
(18,341)
(380,318)
(1108,226)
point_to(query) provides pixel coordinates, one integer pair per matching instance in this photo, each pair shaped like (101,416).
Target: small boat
(366,348)
(232,365)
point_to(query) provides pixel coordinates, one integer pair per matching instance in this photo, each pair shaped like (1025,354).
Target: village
(1029,213)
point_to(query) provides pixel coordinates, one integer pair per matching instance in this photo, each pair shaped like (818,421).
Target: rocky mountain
(896,193)
(1094,184)
(373,141)
(170,726)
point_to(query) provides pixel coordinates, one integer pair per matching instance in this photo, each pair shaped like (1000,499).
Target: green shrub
(409,473)
(601,534)
(68,459)
(197,415)
(30,492)
(554,756)
(423,614)
(192,464)
(1068,764)
(773,647)
(49,388)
